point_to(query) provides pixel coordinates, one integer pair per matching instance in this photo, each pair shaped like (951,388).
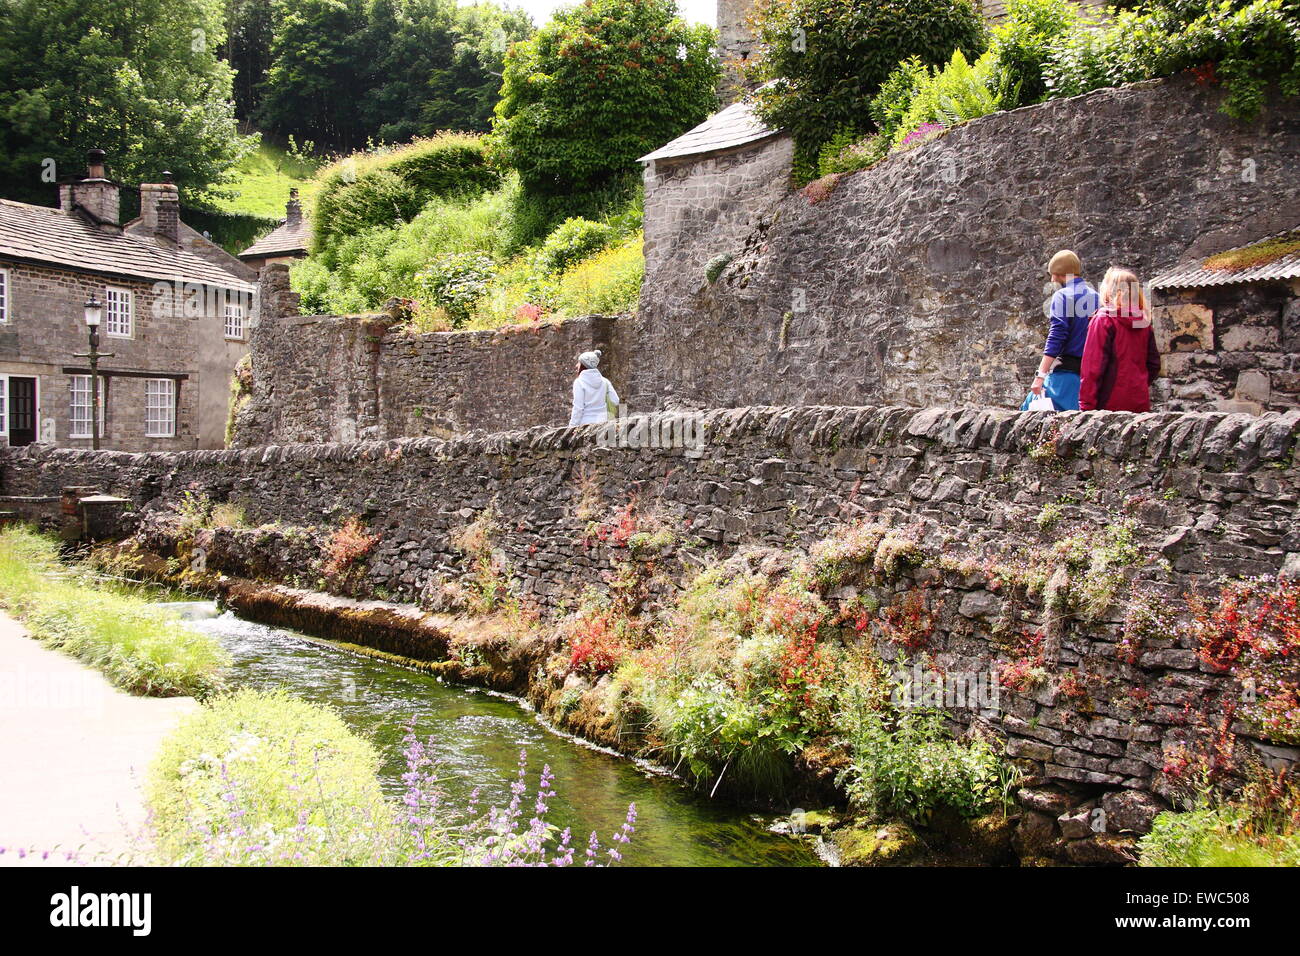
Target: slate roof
(1194,275)
(53,237)
(286,239)
(734,126)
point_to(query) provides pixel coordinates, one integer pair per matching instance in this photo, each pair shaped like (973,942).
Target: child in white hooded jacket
(591,392)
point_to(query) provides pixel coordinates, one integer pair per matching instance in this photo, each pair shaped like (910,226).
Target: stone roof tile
(54,237)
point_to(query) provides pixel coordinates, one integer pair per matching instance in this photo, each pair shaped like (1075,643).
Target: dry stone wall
(1202,495)
(344,378)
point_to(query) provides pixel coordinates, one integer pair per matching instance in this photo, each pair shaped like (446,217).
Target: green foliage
(411,260)
(343,72)
(1023,41)
(140,79)
(232,231)
(573,240)
(603,83)
(903,762)
(1259,825)
(708,729)
(959,92)
(389,186)
(138,647)
(860,154)
(605,284)
(716,266)
(889,106)
(305,786)
(829,58)
(1250,44)
(455,282)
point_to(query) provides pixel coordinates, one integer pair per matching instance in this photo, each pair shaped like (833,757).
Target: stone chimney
(735,45)
(293,208)
(160,209)
(95,194)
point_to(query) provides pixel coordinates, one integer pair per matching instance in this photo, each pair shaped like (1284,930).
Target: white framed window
(79,409)
(160,408)
(4,296)
(4,405)
(234,320)
(119,313)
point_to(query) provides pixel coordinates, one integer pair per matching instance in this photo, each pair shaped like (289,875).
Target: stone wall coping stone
(1213,439)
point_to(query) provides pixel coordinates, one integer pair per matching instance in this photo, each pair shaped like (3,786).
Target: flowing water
(478,737)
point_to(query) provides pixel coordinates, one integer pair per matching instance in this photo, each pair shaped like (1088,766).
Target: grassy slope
(263,180)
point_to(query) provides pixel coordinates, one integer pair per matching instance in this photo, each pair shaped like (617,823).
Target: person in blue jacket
(1071,308)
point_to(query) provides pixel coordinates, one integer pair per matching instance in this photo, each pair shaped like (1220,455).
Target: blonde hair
(1122,288)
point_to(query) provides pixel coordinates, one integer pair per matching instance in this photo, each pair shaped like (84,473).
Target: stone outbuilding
(176,312)
(1229,328)
(704,188)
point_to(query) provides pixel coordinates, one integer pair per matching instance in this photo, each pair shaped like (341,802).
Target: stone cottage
(176,310)
(286,242)
(1229,328)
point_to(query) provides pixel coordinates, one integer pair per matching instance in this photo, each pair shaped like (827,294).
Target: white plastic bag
(1041,403)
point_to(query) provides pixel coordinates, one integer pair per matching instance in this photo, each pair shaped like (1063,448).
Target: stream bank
(503,655)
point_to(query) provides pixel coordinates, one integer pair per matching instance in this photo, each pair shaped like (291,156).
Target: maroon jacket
(1120,361)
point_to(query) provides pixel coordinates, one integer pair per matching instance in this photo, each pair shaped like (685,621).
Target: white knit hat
(589,359)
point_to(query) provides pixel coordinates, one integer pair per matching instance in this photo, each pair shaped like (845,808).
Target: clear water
(478,737)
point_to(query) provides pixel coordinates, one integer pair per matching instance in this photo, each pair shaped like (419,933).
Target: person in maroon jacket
(1120,359)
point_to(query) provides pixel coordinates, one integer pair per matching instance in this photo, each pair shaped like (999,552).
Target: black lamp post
(94,312)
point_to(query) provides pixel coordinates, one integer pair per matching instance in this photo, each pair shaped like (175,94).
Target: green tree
(140,79)
(601,84)
(826,59)
(345,72)
(250,27)
(318,72)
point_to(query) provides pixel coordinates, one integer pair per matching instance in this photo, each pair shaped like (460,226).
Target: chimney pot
(95,164)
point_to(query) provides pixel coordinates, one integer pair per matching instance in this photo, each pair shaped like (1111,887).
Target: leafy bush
(359,272)
(847,152)
(139,647)
(455,282)
(829,59)
(392,185)
(573,240)
(1250,45)
(903,762)
(603,83)
(1024,40)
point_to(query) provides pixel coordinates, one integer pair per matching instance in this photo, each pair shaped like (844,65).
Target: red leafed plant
(595,643)
(909,623)
(1253,631)
(349,544)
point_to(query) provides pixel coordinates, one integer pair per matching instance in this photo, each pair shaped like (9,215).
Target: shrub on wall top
(389,186)
(1244,45)
(1024,40)
(829,58)
(573,240)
